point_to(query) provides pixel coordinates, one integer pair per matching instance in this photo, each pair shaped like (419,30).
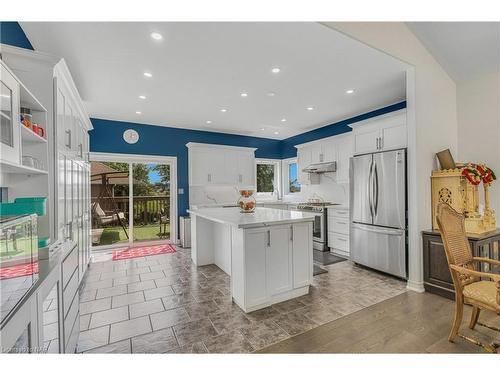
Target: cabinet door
(366,141)
(394,137)
(279,260)
(230,174)
(329,151)
(200,167)
(302,254)
(60,117)
(246,169)
(344,153)
(69,127)
(255,275)
(303,160)
(68,196)
(317,155)
(217,169)
(10,137)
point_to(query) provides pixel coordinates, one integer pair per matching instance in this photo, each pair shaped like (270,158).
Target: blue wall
(166,141)
(11,33)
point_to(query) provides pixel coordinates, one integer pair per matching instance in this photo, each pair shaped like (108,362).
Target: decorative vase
(247,201)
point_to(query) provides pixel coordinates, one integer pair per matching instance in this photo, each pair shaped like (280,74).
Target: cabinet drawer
(70,319)
(338,225)
(69,265)
(69,292)
(338,212)
(338,241)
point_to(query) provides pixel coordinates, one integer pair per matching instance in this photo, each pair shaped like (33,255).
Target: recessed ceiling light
(350,91)
(276,133)
(156,36)
(138,112)
(283,120)
(275,70)
(271,94)
(142,97)
(209,122)
(310,108)
(223,110)
(262,129)
(243,94)
(147,74)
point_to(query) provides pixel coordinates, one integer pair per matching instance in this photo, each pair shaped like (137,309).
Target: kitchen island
(268,253)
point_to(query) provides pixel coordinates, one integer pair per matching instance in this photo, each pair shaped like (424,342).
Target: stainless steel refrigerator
(378,211)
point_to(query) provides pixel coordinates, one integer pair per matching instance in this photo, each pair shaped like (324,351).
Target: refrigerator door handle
(370,228)
(375,180)
(370,190)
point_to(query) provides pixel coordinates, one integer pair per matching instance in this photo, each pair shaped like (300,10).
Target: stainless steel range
(320,241)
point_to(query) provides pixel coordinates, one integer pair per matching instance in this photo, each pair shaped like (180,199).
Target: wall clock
(130,136)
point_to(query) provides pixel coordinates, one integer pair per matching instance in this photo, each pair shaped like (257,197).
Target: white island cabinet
(268,254)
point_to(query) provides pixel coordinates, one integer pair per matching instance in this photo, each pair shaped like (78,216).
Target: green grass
(112,235)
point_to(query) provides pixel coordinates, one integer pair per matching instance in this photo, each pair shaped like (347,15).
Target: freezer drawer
(379,248)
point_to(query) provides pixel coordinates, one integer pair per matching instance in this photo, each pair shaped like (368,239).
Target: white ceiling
(464,49)
(199,68)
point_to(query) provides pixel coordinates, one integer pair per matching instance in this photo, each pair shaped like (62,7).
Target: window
(291,182)
(267,178)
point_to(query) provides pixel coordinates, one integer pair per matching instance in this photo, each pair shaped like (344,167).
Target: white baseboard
(416,286)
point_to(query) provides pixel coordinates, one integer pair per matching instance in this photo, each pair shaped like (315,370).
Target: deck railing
(147,209)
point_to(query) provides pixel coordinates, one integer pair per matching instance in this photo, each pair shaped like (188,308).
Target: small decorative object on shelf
(26,117)
(247,201)
(459,188)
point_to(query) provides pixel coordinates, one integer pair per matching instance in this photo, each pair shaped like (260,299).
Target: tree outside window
(265,178)
(293,182)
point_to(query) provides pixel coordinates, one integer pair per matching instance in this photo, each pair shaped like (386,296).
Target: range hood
(321,167)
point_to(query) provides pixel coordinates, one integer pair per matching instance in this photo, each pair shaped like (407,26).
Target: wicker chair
(481,290)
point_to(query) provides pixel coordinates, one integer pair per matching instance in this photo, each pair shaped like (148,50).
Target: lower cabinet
(271,264)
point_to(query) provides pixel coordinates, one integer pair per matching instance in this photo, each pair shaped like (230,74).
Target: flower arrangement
(475,173)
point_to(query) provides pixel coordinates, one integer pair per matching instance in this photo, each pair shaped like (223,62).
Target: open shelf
(28,100)
(8,167)
(29,136)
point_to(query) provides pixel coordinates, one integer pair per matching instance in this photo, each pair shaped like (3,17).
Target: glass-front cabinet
(9,117)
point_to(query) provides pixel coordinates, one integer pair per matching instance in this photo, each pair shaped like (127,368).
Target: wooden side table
(437,277)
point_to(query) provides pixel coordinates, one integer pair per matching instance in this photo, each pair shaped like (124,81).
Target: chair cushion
(482,291)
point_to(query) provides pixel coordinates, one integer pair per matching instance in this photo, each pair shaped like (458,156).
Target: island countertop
(259,218)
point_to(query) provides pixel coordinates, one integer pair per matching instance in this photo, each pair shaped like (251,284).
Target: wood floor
(409,323)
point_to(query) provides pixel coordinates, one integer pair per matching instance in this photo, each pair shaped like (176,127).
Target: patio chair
(104,218)
(164,220)
(481,290)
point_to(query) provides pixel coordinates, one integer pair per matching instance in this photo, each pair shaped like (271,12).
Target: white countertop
(260,217)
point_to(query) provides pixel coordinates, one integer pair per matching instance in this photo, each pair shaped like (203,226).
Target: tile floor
(164,304)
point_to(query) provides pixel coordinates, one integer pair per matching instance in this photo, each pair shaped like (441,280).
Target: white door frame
(134,158)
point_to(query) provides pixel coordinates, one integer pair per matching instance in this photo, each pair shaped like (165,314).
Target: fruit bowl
(247,201)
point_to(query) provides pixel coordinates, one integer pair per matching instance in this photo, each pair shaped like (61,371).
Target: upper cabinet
(381,133)
(337,149)
(10,145)
(221,165)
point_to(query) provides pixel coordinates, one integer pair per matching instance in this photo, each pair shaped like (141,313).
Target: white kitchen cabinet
(221,165)
(304,159)
(344,152)
(254,290)
(338,231)
(10,131)
(279,259)
(380,134)
(337,149)
(302,260)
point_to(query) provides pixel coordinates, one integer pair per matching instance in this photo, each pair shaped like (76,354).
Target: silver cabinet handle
(291,233)
(341,212)
(80,150)
(341,222)
(341,239)
(268,238)
(381,143)
(68,139)
(240,178)
(209,177)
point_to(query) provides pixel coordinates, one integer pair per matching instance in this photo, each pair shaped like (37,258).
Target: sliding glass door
(151,201)
(130,203)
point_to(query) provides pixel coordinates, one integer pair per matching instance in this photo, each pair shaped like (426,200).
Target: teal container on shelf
(24,206)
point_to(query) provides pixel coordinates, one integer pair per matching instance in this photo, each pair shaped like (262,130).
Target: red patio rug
(20,270)
(143,251)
